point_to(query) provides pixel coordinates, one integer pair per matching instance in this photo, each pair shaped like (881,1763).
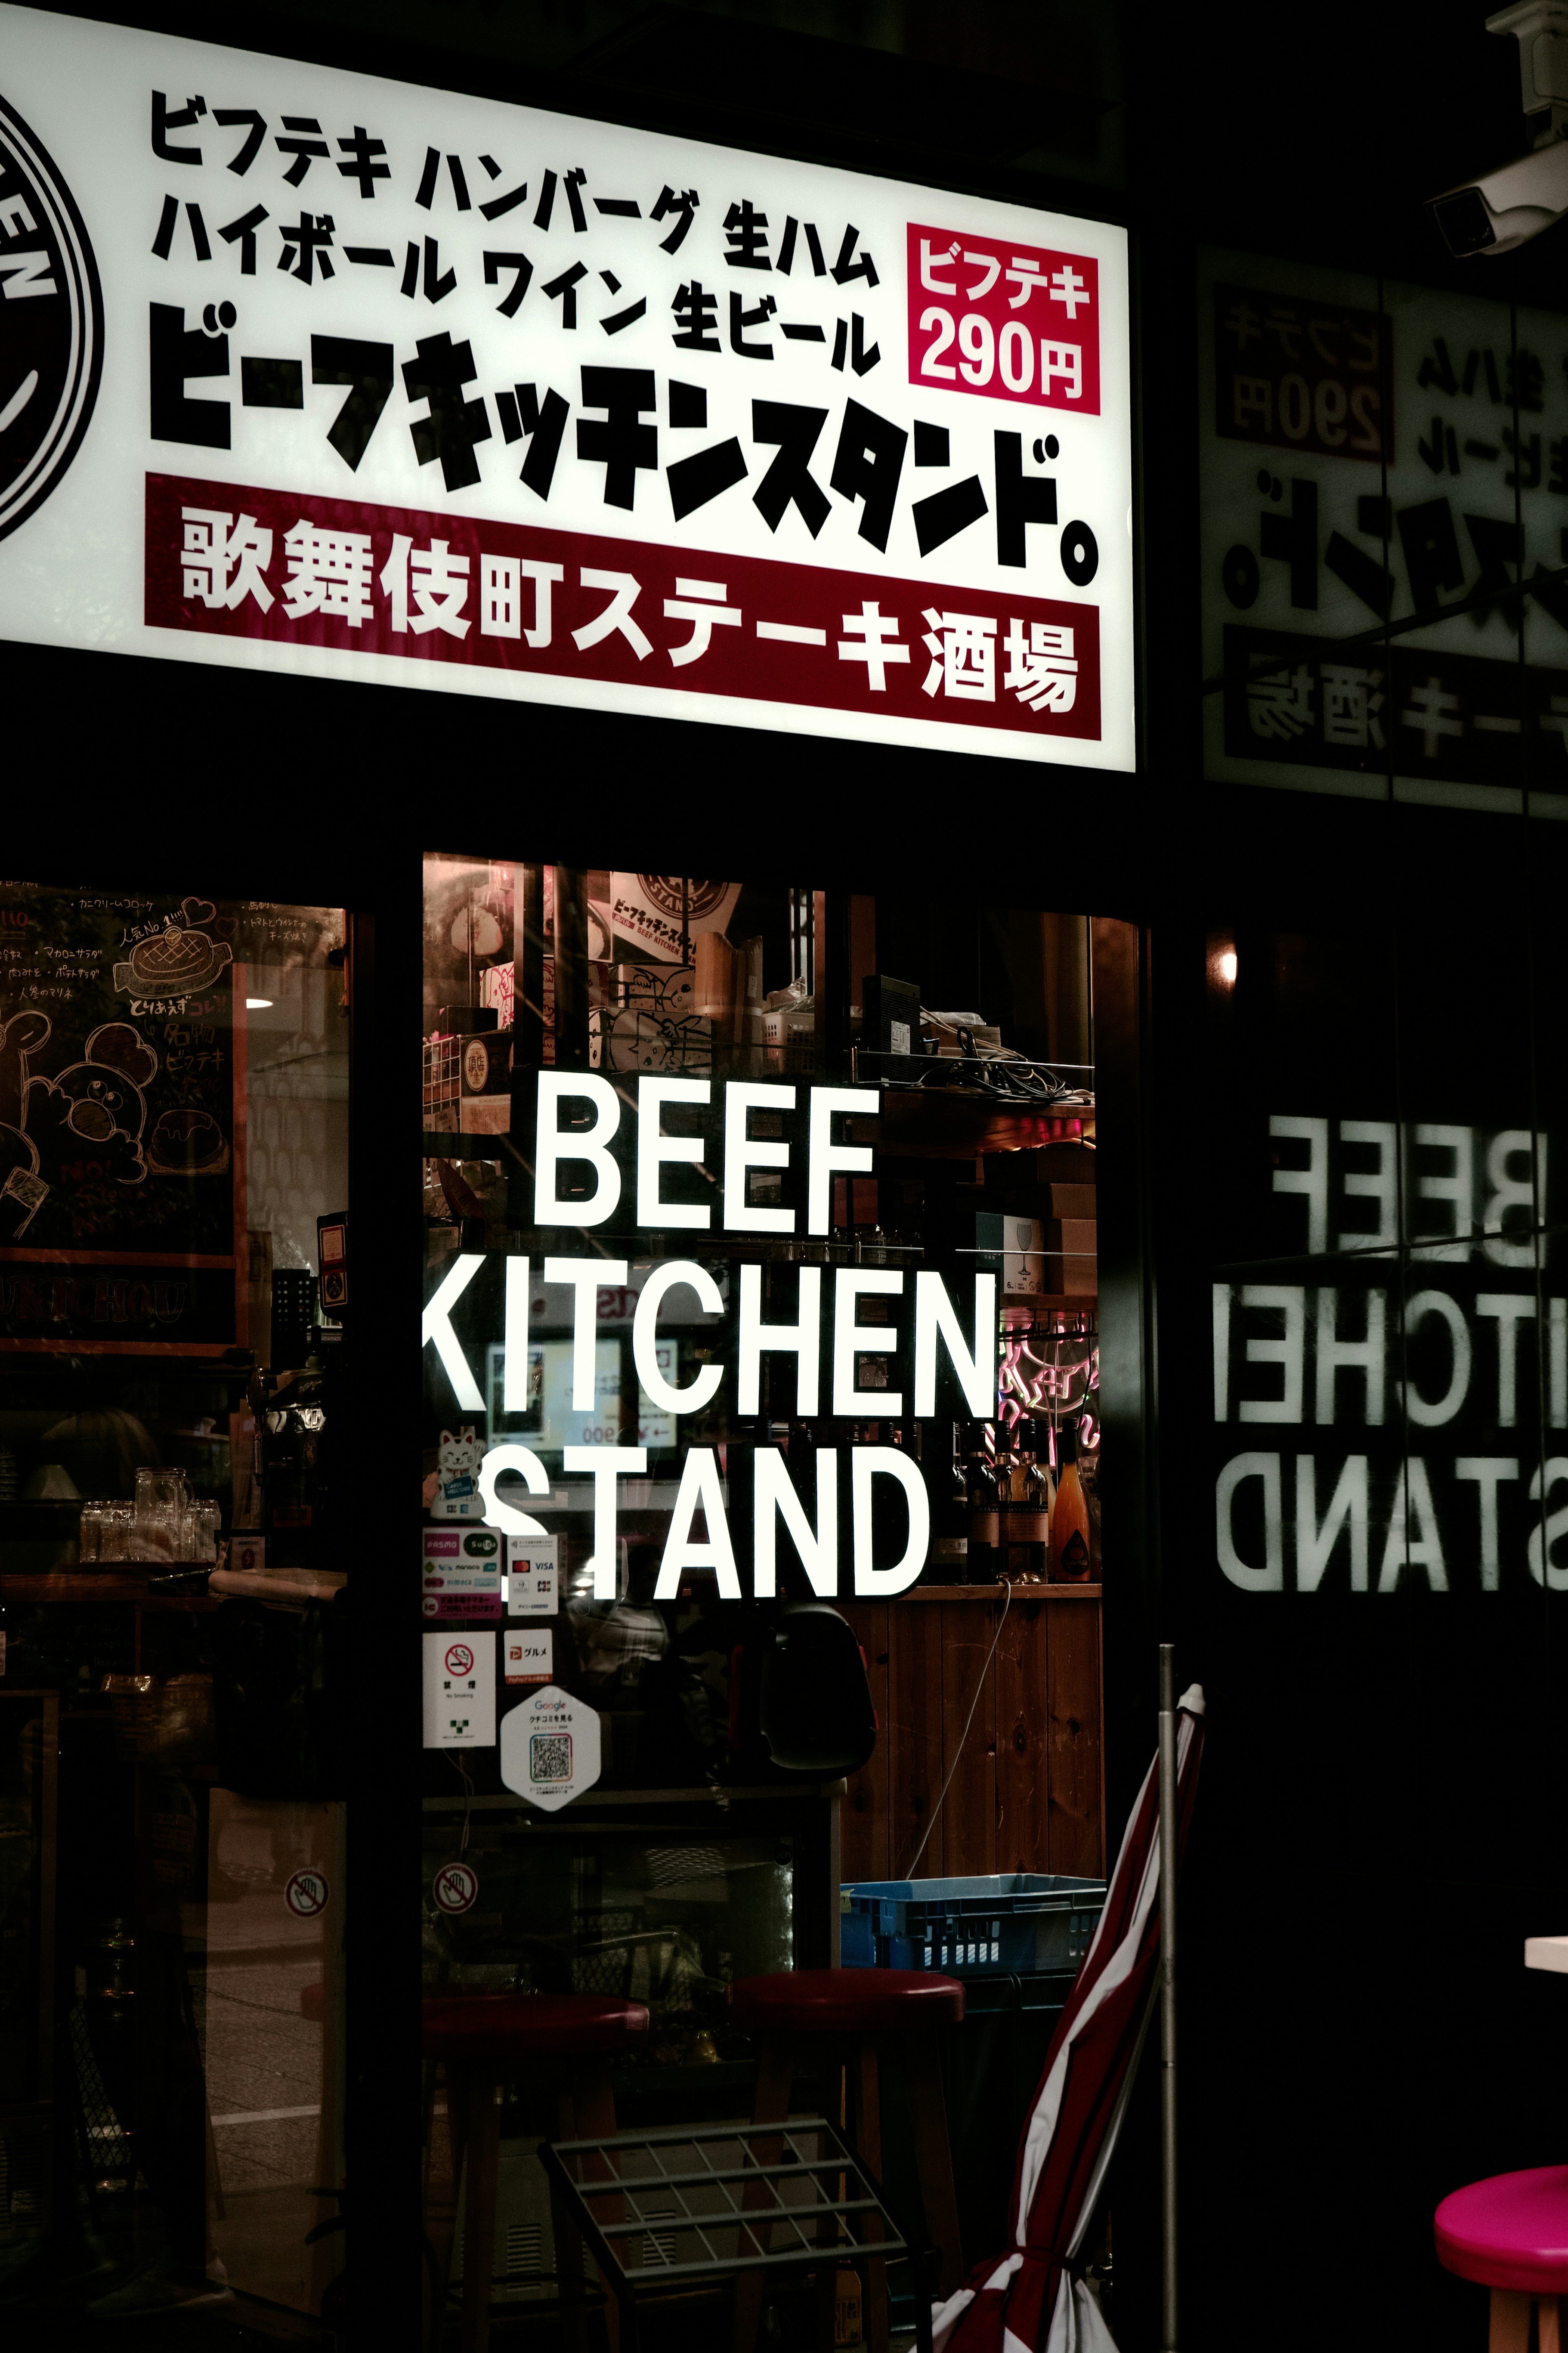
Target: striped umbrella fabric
(1030,2300)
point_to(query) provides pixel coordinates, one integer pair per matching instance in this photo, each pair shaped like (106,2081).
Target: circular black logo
(673,893)
(51,323)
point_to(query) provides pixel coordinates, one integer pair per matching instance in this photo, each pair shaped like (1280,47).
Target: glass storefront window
(173,1140)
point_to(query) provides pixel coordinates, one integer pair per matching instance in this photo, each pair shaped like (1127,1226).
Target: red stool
(479,2037)
(807,2016)
(1510,2234)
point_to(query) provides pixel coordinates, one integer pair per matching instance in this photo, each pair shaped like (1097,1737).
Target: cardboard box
(1074,1201)
(714,980)
(1074,1263)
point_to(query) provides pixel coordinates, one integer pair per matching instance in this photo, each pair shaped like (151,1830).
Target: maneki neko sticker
(407,385)
(549,1748)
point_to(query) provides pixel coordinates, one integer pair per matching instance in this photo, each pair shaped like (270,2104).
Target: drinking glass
(157,1487)
(89,1532)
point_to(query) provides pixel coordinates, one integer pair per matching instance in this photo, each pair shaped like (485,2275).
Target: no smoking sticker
(455,1887)
(459,1691)
(305,1893)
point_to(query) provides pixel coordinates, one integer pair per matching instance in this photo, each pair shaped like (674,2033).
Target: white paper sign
(459,1691)
(313,371)
(532,1589)
(528,1654)
(549,1748)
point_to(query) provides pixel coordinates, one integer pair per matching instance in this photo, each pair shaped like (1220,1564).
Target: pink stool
(1510,2234)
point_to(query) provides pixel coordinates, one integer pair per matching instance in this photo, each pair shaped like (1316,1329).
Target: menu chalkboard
(120,1152)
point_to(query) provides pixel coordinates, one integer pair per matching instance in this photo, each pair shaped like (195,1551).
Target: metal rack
(695,2206)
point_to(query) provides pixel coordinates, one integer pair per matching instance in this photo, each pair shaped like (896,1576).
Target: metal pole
(1168,2331)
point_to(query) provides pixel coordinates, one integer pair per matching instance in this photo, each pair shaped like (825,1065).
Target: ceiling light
(257,1004)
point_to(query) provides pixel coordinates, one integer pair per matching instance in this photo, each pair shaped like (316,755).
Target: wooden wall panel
(1076,1840)
(969,1811)
(1029,1790)
(864,1818)
(915,1744)
(1023,1746)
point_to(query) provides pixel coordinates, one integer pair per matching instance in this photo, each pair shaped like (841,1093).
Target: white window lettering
(1414,1515)
(586,1277)
(436,1330)
(975,1367)
(1456,1185)
(826,1159)
(1551,1525)
(1430,1414)
(1312,1180)
(551,1147)
(607,1465)
(670,1276)
(869,1462)
(653,1149)
(1511,1308)
(1268,1576)
(802,1340)
(744,1153)
(1347,1510)
(852,1283)
(1367,1356)
(774,1499)
(1525,1191)
(700,1490)
(1290,1352)
(1380,1184)
(1486,1470)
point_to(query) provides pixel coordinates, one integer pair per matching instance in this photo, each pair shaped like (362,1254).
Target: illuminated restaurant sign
(399,385)
(606,1172)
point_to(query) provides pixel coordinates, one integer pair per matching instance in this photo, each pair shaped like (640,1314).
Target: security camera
(1501,209)
(1506,207)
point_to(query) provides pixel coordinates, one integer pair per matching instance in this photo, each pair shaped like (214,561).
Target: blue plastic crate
(1001,1921)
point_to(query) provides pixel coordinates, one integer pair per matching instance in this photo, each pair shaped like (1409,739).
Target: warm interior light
(1226,968)
(259,1004)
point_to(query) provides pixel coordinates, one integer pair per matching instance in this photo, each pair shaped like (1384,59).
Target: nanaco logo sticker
(51,324)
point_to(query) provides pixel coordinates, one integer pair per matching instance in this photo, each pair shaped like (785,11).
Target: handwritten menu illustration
(117,1119)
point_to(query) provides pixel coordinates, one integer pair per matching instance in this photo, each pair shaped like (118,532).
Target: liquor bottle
(1029,1543)
(984,1534)
(1069,1513)
(950,1531)
(1009,1489)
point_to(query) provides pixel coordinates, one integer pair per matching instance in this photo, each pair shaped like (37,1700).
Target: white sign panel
(460,1690)
(532,1587)
(528,1654)
(311,372)
(549,1748)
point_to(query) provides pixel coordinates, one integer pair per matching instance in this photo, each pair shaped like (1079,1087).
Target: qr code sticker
(550,1756)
